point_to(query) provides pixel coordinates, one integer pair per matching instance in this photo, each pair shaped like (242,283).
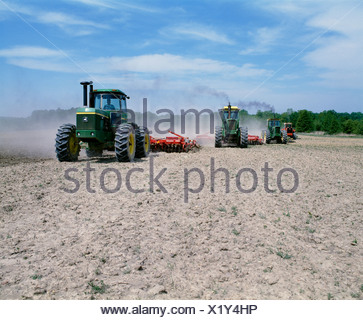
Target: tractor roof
(117,91)
(232,108)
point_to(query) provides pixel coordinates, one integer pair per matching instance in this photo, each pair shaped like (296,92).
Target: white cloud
(63,20)
(339,56)
(114,4)
(197,31)
(29,51)
(145,67)
(263,40)
(69,23)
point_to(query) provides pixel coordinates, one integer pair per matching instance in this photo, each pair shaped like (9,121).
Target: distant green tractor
(231,134)
(102,126)
(274,132)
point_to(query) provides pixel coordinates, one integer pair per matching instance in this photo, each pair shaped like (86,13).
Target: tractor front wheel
(125,143)
(142,142)
(66,143)
(294,136)
(243,137)
(284,137)
(218,137)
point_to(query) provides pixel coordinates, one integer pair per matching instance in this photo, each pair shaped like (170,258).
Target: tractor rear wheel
(243,143)
(125,143)
(284,137)
(218,137)
(267,137)
(142,142)
(66,143)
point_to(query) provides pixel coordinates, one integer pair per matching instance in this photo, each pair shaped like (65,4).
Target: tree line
(330,122)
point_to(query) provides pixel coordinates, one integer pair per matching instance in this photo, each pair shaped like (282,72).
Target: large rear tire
(142,142)
(66,143)
(218,137)
(125,143)
(284,137)
(243,143)
(267,138)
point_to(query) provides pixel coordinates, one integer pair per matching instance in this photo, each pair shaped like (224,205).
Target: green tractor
(274,132)
(102,126)
(231,134)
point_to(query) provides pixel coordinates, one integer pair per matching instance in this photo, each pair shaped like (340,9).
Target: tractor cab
(272,123)
(274,132)
(274,126)
(229,115)
(112,101)
(230,133)
(290,130)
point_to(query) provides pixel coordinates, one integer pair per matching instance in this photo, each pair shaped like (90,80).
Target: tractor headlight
(92,134)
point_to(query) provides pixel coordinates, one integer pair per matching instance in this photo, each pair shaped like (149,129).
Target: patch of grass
(36,277)
(330,296)
(355,295)
(311,230)
(97,288)
(277,220)
(286,214)
(235,232)
(222,209)
(234,211)
(261,215)
(354,242)
(126,271)
(361,288)
(283,255)
(103,260)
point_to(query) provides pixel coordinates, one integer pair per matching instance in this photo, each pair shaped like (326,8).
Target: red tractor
(289,129)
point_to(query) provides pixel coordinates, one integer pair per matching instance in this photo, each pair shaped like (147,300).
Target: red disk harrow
(254,140)
(176,143)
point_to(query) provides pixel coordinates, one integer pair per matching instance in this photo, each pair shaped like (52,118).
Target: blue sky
(182,54)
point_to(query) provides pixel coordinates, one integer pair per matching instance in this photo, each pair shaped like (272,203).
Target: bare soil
(155,245)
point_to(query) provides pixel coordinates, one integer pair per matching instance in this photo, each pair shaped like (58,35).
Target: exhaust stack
(85,84)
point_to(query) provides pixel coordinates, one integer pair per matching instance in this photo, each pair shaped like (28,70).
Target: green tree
(330,122)
(349,126)
(304,121)
(359,127)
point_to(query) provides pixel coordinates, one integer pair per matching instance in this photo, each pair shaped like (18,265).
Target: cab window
(107,102)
